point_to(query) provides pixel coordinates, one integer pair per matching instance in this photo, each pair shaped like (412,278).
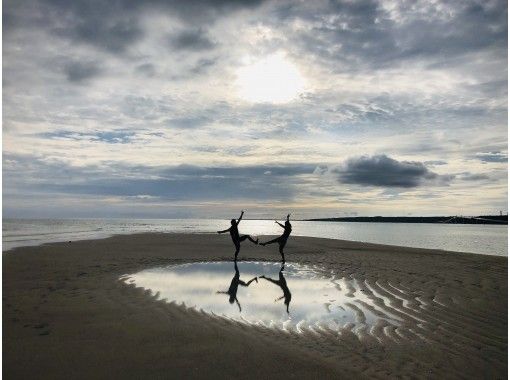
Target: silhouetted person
(282,283)
(234,284)
(282,240)
(234,233)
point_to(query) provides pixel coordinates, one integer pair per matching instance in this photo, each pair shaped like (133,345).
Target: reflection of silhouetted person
(236,281)
(234,233)
(282,283)
(282,240)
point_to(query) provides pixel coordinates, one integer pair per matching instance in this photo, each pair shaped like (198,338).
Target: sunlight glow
(272,79)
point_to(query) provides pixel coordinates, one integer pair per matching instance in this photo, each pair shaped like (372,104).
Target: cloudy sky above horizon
(201,108)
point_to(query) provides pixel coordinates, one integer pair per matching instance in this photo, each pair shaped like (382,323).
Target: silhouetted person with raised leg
(234,284)
(234,233)
(282,240)
(282,283)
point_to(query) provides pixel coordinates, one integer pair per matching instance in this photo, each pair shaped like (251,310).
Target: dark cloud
(114,38)
(474,177)
(320,169)
(192,40)
(202,188)
(492,156)
(384,171)
(363,34)
(194,12)
(253,171)
(183,182)
(202,66)
(491,88)
(108,25)
(147,69)
(110,137)
(78,72)
(114,26)
(357,33)
(435,162)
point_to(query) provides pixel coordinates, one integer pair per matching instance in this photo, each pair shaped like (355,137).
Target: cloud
(492,156)
(181,182)
(426,80)
(78,72)
(111,137)
(474,177)
(320,169)
(114,26)
(383,171)
(367,35)
(111,26)
(202,66)
(147,69)
(435,162)
(251,171)
(114,38)
(188,122)
(204,11)
(192,40)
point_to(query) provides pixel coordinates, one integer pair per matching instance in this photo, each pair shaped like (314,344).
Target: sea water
(475,238)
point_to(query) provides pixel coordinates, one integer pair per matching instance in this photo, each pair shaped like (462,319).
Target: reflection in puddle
(292,297)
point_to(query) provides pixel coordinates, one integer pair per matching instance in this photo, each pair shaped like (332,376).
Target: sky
(198,109)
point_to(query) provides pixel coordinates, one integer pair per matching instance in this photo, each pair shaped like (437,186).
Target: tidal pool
(293,297)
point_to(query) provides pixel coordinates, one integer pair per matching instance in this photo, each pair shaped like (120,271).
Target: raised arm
(222,232)
(288,217)
(281,225)
(241,217)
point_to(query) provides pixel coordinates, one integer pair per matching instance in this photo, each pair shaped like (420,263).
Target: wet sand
(67,315)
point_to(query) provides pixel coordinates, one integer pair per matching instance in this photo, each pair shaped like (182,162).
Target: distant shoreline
(483,219)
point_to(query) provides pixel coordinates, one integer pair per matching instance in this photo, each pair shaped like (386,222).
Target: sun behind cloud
(272,79)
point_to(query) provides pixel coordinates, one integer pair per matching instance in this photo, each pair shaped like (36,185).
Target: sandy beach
(67,315)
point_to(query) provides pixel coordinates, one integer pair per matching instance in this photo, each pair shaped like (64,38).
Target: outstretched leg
(244,237)
(241,282)
(277,240)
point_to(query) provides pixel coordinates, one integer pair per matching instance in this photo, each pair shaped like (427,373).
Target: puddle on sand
(295,298)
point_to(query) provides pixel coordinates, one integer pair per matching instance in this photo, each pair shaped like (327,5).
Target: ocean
(482,239)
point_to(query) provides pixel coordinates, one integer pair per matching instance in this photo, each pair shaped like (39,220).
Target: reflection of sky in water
(316,299)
